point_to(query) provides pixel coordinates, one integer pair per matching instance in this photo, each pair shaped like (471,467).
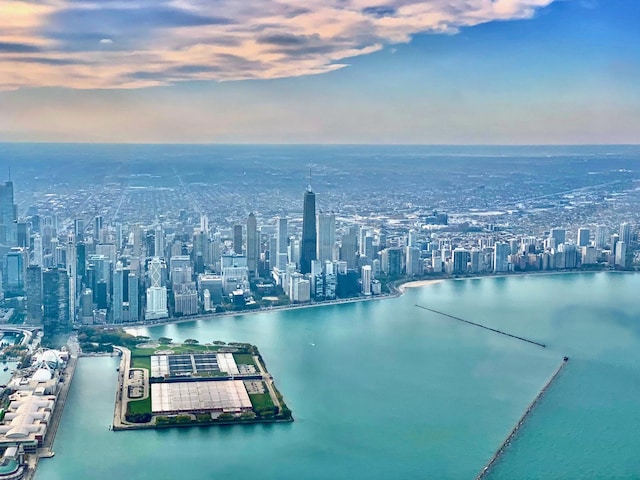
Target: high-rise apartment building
(583,237)
(501,253)
(625,233)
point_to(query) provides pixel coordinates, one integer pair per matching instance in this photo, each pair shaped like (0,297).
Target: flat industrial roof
(228,395)
(185,364)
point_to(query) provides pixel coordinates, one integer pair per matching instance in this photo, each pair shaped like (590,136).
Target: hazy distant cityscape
(110,237)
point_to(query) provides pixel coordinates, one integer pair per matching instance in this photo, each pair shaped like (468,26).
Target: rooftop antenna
(9,172)
(309,187)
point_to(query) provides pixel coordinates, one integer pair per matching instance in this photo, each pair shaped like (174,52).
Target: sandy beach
(419,283)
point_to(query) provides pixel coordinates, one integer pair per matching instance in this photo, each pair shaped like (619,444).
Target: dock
(487,469)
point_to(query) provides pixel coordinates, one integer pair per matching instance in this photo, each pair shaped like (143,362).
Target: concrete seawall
(487,469)
(54,422)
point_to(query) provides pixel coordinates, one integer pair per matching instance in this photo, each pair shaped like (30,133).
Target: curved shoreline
(396,291)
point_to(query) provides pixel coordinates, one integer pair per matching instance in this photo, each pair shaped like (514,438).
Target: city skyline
(508,72)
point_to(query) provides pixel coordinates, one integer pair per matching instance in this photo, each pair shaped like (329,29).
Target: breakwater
(482,326)
(486,470)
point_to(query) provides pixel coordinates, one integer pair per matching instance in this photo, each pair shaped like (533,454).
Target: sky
(320,71)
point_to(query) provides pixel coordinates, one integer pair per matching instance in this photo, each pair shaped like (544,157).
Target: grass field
(244,359)
(261,400)
(140,406)
(141,362)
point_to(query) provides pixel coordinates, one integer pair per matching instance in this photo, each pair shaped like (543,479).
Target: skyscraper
(559,234)
(159,241)
(282,236)
(583,237)
(253,245)
(55,295)
(118,293)
(308,247)
(326,236)
(34,295)
(237,239)
(501,253)
(8,216)
(134,295)
(14,273)
(602,232)
(625,233)
(348,247)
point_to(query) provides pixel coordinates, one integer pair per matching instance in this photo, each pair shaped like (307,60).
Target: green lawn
(243,359)
(261,400)
(141,362)
(140,406)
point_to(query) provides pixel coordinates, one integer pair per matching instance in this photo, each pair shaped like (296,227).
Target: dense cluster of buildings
(32,395)
(92,271)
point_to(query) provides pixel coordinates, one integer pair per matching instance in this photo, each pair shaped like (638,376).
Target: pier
(45,451)
(483,326)
(485,471)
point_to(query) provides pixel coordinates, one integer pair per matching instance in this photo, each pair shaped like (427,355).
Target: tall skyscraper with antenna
(308,247)
(8,216)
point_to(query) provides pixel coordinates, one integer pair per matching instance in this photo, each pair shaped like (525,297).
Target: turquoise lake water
(385,390)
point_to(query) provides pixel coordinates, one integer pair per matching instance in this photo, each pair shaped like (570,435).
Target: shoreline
(396,291)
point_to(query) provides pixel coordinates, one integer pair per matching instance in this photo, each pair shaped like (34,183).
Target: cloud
(161,42)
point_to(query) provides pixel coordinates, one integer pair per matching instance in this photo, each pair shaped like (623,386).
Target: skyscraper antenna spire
(309,187)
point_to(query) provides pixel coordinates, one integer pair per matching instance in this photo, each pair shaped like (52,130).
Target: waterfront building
(501,257)
(621,254)
(436,261)
(185,299)
(413,261)
(583,237)
(282,237)
(308,245)
(392,261)
(625,233)
(475,259)
(366,279)
(589,255)
(602,232)
(156,303)
(460,260)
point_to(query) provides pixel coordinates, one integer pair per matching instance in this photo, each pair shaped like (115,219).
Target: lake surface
(385,390)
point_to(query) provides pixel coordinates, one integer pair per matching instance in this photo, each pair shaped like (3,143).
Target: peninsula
(164,384)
